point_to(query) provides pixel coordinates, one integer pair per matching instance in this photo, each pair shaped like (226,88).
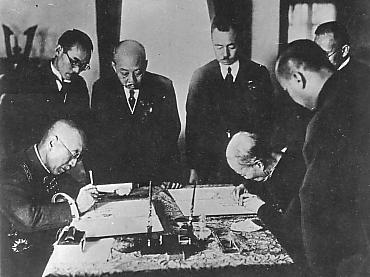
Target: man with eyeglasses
(334,39)
(72,56)
(38,95)
(28,182)
(136,120)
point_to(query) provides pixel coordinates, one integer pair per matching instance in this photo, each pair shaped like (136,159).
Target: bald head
(61,146)
(129,63)
(131,48)
(248,155)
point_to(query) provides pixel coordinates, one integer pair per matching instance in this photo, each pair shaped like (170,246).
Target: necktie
(131,99)
(229,78)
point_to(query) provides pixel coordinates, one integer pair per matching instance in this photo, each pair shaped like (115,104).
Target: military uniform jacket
(215,113)
(29,220)
(137,146)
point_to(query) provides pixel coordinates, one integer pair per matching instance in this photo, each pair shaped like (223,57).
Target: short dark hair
(339,32)
(74,37)
(302,52)
(224,24)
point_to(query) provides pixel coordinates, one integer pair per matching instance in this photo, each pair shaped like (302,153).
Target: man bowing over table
(136,120)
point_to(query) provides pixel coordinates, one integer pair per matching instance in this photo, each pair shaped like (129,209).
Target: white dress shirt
(234,69)
(344,63)
(59,80)
(136,95)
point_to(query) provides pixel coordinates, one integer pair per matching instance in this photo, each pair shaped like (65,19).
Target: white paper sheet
(118,218)
(214,201)
(121,188)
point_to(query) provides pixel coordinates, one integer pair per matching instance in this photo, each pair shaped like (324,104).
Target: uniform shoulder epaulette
(27,171)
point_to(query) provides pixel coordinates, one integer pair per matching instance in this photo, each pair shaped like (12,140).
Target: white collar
(344,63)
(136,95)
(234,69)
(38,156)
(57,73)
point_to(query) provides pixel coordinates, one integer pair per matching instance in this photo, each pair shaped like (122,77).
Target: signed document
(214,201)
(116,218)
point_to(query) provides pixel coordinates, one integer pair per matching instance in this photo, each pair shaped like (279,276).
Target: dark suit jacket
(214,114)
(28,218)
(40,79)
(331,221)
(135,147)
(32,102)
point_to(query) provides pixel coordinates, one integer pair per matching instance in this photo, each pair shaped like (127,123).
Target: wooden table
(262,255)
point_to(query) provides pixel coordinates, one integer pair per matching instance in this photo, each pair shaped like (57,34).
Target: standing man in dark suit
(227,95)
(49,91)
(336,155)
(334,39)
(28,182)
(137,121)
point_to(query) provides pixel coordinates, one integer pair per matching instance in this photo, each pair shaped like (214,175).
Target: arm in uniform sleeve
(20,208)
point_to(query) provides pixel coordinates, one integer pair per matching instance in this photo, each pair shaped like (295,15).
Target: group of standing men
(133,128)
(321,216)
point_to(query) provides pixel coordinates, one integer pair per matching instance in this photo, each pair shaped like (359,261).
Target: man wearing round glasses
(334,39)
(28,183)
(58,76)
(40,94)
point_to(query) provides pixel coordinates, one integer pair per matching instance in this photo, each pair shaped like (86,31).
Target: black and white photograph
(185,138)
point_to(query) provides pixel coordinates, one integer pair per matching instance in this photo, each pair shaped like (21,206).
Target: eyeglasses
(77,156)
(328,54)
(76,63)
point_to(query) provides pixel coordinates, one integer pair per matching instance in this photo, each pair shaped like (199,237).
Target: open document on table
(116,218)
(214,201)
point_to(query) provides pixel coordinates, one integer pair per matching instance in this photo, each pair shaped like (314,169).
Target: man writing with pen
(29,180)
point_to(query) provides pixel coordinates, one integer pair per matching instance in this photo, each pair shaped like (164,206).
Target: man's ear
(58,50)
(345,50)
(52,141)
(260,164)
(300,79)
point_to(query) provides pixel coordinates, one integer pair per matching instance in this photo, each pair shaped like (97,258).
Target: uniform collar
(36,167)
(57,73)
(39,158)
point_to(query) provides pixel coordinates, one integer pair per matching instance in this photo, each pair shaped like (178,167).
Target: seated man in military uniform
(28,181)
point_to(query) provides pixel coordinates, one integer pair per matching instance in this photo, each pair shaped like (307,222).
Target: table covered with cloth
(260,254)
